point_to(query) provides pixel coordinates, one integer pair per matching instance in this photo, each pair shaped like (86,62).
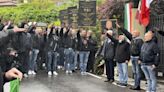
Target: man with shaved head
(149,61)
(135,48)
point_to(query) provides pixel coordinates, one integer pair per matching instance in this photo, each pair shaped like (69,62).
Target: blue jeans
(52,60)
(123,72)
(136,71)
(33,58)
(69,59)
(150,77)
(83,60)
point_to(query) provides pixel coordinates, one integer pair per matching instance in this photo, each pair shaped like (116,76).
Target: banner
(87,13)
(73,17)
(64,17)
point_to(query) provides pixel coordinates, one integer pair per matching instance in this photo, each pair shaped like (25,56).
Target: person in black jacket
(135,48)
(69,51)
(93,46)
(7,75)
(122,57)
(20,45)
(84,50)
(35,49)
(52,53)
(75,48)
(60,33)
(149,57)
(108,52)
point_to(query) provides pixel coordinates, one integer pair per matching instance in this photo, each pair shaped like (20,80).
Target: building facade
(4,3)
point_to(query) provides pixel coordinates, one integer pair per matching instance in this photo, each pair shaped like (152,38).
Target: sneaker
(59,67)
(135,88)
(55,73)
(123,85)
(111,81)
(85,73)
(33,72)
(29,72)
(70,72)
(25,75)
(118,83)
(73,71)
(82,73)
(107,80)
(50,73)
(67,72)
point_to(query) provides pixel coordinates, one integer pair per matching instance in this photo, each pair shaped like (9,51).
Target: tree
(112,9)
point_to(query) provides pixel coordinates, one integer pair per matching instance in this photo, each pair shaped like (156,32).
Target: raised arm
(112,39)
(127,34)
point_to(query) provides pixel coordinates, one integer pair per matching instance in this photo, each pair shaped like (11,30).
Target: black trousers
(91,61)
(23,58)
(109,69)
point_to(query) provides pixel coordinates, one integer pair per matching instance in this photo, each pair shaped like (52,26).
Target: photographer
(12,73)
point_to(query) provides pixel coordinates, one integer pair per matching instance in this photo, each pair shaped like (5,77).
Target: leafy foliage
(36,10)
(112,9)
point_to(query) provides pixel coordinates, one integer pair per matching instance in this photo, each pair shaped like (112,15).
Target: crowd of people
(55,47)
(28,49)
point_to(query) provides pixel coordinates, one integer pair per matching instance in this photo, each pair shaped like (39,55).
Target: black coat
(19,42)
(81,45)
(52,43)
(4,39)
(36,41)
(109,50)
(136,43)
(122,50)
(150,53)
(92,44)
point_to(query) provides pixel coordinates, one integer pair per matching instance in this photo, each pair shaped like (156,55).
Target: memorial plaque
(73,17)
(64,17)
(87,13)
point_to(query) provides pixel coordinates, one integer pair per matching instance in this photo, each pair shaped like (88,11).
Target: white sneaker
(50,73)
(82,73)
(67,72)
(55,73)
(33,72)
(70,72)
(85,73)
(25,75)
(29,72)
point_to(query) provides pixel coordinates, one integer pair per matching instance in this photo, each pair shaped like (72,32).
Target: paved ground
(68,83)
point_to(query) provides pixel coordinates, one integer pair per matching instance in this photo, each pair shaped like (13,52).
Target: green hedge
(37,10)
